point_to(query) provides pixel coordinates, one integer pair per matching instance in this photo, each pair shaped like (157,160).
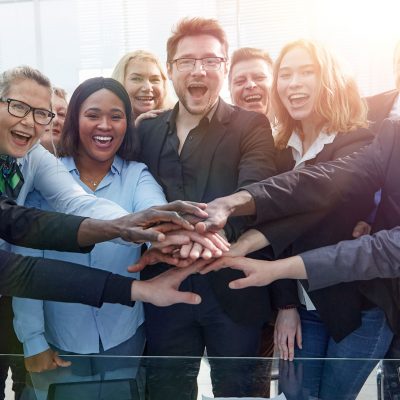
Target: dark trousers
(391,371)
(9,344)
(184,330)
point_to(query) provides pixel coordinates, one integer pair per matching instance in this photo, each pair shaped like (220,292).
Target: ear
(169,70)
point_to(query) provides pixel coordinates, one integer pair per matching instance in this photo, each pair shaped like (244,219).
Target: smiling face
(18,135)
(145,86)
(102,126)
(198,90)
(250,84)
(298,85)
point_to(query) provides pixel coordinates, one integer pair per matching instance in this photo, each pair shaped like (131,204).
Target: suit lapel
(216,131)
(155,139)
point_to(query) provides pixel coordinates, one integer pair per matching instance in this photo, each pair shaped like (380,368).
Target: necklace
(92,182)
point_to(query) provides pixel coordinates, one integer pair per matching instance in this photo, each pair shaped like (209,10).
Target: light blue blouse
(75,327)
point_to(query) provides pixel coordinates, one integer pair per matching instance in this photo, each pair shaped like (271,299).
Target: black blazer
(379,107)
(237,149)
(321,188)
(51,279)
(298,235)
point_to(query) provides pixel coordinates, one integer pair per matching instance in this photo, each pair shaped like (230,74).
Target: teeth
(254,97)
(143,98)
(22,134)
(103,138)
(297,96)
(199,85)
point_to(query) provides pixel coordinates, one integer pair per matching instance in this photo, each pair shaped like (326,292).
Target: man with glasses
(203,149)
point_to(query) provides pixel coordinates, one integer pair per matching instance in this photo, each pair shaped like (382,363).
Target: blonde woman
(143,77)
(321,117)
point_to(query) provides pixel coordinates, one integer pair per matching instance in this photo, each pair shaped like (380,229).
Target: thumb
(187,297)
(60,362)
(240,283)
(135,267)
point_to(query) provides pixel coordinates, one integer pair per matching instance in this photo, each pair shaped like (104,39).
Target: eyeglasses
(20,109)
(208,63)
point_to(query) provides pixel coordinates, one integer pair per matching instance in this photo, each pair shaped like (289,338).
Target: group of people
(124,150)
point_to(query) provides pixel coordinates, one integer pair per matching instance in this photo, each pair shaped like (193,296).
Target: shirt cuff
(35,345)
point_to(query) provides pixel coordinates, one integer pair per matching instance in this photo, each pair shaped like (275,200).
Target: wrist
(241,203)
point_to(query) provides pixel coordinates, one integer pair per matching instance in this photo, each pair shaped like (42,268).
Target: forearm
(93,231)
(250,241)
(60,281)
(365,258)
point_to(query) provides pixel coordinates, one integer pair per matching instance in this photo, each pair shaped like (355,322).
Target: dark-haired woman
(97,148)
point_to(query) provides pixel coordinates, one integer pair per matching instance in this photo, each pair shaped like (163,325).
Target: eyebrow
(301,67)
(99,110)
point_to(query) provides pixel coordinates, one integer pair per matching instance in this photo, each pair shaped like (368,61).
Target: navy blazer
(237,149)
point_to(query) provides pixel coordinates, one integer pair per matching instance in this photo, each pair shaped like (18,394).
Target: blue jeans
(339,379)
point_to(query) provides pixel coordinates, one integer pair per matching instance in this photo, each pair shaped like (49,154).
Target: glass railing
(177,378)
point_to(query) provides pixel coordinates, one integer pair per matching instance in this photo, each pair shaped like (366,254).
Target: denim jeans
(339,379)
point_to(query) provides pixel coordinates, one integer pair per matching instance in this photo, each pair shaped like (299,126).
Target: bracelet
(288,307)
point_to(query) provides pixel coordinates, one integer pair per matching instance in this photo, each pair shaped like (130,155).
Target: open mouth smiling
(103,140)
(298,99)
(254,98)
(197,89)
(21,136)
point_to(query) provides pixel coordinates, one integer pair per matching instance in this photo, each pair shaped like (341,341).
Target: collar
(296,144)
(116,166)
(171,121)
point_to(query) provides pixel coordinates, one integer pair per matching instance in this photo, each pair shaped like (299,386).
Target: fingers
(186,207)
(196,251)
(361,228)
(141,235)
(242,283)
(187,297)
(299,337)
(60,362)
(220,263)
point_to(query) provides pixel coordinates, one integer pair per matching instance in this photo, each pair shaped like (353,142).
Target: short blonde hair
(119,72)
(338,103)
(249,53)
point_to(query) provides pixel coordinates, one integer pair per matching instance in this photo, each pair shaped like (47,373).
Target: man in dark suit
(203,149)
(386,104)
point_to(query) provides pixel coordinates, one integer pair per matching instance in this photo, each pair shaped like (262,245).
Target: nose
(198,68)
(146,86)
(28,119)
(104,124)
(250,84)
(295,80)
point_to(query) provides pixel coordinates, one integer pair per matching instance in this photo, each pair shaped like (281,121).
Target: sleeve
(257,162)
(39,229)
(283,232)
(63,194)
(148,192)
(29,325)
(321,187)
(366,258)
(56,280)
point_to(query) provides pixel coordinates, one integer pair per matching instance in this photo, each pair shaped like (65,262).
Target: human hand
(148,115)
(139,227)
(260,272)
(153,256)
(218,212)
(163,289)
(361,228)
(287,327)
(45,361)
(256,271)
